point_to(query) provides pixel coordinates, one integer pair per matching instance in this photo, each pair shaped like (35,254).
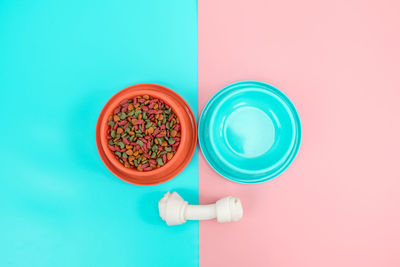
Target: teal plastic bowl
(249,132)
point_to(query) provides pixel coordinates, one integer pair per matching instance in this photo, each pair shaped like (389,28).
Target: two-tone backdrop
(338,61)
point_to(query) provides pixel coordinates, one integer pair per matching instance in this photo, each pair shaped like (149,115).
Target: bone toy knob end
(174,210)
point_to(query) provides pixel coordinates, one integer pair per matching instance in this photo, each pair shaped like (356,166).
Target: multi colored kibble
(144,133)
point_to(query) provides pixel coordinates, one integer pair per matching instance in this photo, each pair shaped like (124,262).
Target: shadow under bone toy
(175,210)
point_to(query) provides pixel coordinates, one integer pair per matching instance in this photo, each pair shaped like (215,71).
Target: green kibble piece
(123,116)
(162,153)
(144,161)
(131,113)
(139,142)
(148,125)
(137,112)
(135,162)
(113,134)
(121,161)
(124,135)
(154,148)
(110,142)
(121,145)
(117,136)
(164,120)
(139,135)
(117,153)
(130,101)
(153,155)
(127,129)
(131,138)
(159,123)
(139,159)
(168,148)
(159,161)
(171,141)
(125,155)
(111,123)
(145,115)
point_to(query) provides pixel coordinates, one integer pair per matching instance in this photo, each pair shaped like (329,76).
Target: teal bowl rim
(278,93)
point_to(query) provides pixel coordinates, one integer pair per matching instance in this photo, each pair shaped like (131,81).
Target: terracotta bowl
(185,149)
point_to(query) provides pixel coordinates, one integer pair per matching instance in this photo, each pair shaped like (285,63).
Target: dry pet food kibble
(144,133)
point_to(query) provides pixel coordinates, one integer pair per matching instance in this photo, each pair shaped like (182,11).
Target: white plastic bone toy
(174,210)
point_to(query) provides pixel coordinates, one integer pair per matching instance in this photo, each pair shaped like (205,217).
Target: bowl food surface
(184,152)
(249,132)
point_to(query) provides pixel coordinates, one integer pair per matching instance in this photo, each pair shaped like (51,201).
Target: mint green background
(60,61)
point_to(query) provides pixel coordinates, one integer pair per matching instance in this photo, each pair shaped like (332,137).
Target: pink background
(338,203)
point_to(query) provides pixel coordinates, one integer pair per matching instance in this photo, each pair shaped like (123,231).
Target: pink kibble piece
(145,165)
(124,101)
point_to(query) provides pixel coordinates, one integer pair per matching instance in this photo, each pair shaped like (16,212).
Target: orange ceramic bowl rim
(185,149)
